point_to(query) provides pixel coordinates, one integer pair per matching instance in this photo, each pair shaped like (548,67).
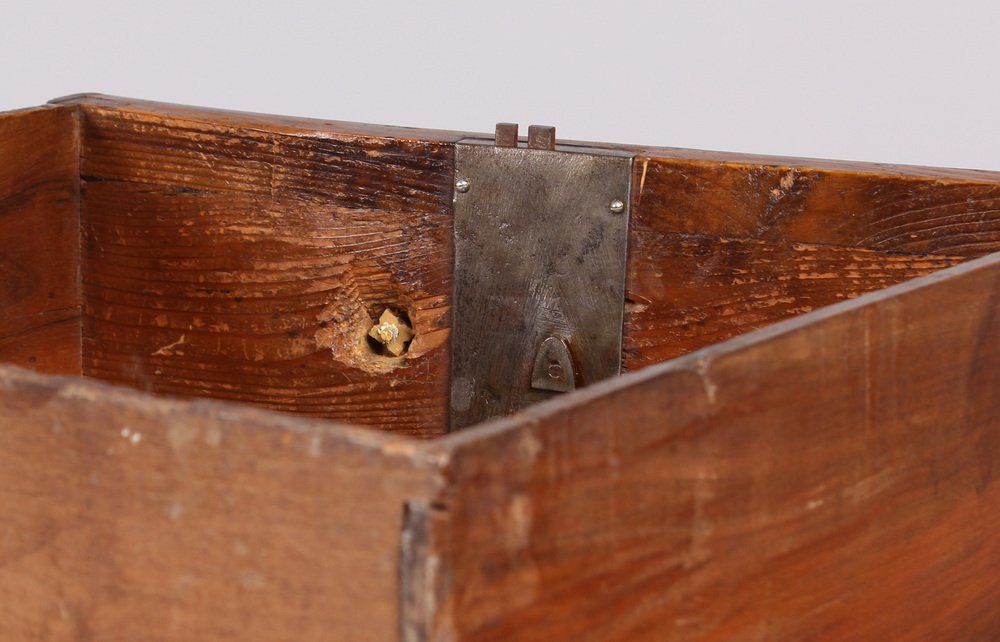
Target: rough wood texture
(247,259)
(832,477)
(241,256)
(131,518)
(726,245)
(39,240)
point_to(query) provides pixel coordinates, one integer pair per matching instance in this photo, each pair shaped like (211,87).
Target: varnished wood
(249,263)
(832,477)
(39,240)
(828,477)
(690,291)
(720,244)
(724,246)
(126,517)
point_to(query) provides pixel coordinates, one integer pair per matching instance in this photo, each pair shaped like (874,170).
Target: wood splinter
(392,332)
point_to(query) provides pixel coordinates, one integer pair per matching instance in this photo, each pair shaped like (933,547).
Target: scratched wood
(39,240)
(832,477)
(127,517)
(247,259)
(722,244)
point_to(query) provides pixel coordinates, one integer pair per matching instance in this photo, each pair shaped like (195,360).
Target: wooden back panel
(722,244)
(39,240)
(831,477)
(127,517)
(245,258)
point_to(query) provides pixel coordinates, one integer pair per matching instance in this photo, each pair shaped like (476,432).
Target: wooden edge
(269,122)
(224,411)
(423,595)
(696,158)
(314,125)
(49,106)
(708,158)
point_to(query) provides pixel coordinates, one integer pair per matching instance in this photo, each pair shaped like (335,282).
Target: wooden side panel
(131,518)
(248,263)
(833,477)
(40,240)
(721,247)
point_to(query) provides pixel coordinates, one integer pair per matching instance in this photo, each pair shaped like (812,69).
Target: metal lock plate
(540,242)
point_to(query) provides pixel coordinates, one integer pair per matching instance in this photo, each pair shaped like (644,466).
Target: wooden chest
(804,444)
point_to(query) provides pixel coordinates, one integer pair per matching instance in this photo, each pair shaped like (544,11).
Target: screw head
(617,206)
(462,185)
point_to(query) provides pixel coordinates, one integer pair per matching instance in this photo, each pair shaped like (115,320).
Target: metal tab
(539,272)
(542,137)
(506,135)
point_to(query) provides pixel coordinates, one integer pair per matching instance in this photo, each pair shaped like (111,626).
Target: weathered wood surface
(126,517)
(247,260)
(240,256)
(39,240)
(721,246)
(832,477)
(828,478)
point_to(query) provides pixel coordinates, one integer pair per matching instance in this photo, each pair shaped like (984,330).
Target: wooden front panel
(721,246)
(246,258)
(127,517)
(832,477)
(39,240)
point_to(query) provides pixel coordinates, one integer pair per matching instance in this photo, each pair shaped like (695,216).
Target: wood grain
(249,261)
(878,211)
(721,246)
(689,291)
(39,240)
(214,269)
(829,477)
(126,517)
(832,477)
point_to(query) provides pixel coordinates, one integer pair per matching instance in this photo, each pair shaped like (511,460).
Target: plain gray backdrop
(906,81)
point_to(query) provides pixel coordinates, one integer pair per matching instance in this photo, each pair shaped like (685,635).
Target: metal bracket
(540,242)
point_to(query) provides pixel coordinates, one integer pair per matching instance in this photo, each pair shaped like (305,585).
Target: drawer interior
(247,258)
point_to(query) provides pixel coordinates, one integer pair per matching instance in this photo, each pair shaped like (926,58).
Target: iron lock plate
(540,243)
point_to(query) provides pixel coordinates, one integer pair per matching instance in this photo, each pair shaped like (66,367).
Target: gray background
(909,81)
